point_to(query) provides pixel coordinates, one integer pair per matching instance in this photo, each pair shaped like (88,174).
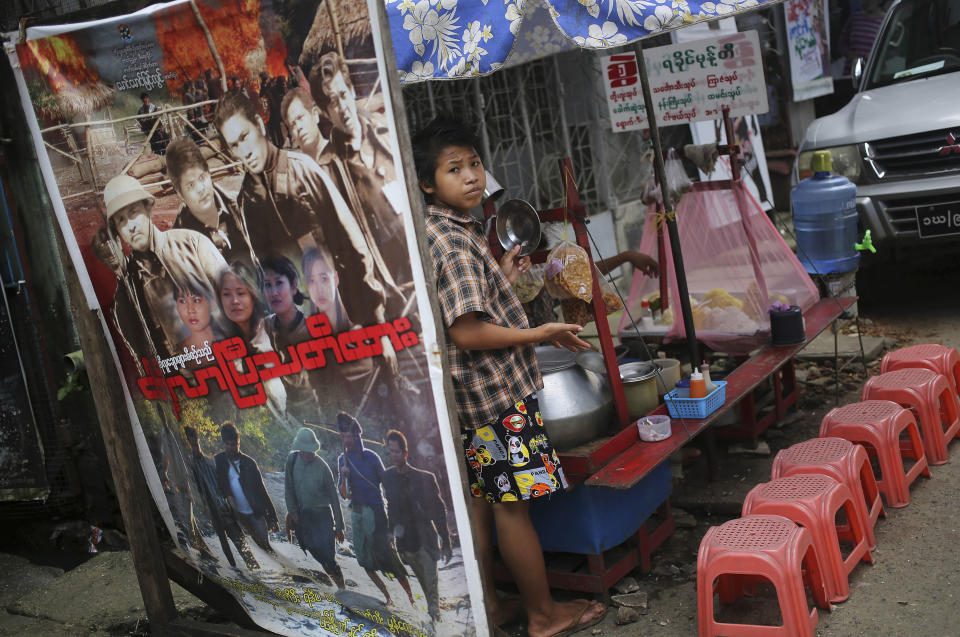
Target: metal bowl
(518,223)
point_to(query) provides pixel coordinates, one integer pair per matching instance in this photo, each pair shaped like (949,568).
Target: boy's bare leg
(405,585)
(520,548)
(502,611)
(372,574)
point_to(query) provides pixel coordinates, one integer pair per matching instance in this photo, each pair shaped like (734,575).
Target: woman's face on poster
(279,292)
(236,300)
(194,311)
(247,141)
(196,189)
(322,284)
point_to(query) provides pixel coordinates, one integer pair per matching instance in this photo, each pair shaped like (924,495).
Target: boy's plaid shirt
(469,279)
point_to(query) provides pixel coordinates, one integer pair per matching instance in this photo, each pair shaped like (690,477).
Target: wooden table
(630,466)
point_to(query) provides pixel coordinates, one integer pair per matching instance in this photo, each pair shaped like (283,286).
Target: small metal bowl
(518,223)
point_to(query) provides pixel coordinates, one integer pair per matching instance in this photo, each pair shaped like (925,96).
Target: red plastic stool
(932,399)
(879,424)
(750,548)
(938,358)
(846,462)
(812,501)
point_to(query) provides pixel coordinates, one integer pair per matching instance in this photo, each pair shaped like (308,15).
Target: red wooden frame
(637,460)
(576,215)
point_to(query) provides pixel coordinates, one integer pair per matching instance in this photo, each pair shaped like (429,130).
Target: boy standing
(495,376)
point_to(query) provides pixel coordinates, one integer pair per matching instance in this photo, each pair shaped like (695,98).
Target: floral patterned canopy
(450,39)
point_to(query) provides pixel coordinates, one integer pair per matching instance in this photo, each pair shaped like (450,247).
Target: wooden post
(75,151)
(211,44)
(331,12)
(88,139)
(392,84)
(132,494)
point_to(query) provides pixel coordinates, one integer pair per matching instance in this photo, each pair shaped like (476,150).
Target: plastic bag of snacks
(567,274)
(611,301)
(579,311)
(576,311)
(528,285)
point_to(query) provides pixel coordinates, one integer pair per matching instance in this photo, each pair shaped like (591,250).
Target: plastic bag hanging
(529,283)
(678,182)
(567,273)
(578,311)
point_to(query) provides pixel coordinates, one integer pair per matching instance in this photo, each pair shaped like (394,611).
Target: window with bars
(530,116)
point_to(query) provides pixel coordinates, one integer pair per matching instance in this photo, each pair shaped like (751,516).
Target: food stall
(623,479)
(167,381)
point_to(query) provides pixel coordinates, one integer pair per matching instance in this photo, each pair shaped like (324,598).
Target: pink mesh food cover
(737,265)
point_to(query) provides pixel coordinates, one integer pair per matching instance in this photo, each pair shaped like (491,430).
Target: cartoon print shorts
(511,458)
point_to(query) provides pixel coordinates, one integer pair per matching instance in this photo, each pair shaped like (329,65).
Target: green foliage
(263,436)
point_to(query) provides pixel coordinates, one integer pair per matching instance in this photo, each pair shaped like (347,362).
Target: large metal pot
(575,403)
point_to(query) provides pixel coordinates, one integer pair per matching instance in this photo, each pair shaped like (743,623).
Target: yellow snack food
(719,298)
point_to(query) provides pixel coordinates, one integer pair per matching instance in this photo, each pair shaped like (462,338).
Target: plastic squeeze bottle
(698,389)
(646,316)
(709,384)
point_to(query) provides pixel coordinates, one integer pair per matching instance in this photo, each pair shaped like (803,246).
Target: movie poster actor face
(247,141)
(132,223)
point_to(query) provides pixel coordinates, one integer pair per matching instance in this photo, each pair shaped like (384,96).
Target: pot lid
(591,360)
(635,372)
(552,359)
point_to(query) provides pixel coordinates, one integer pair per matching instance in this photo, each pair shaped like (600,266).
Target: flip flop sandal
(576,625)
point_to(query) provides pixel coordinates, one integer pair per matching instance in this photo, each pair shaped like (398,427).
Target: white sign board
(746,129)
(689,82)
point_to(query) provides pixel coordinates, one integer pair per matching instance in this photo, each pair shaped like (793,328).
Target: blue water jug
(825,219)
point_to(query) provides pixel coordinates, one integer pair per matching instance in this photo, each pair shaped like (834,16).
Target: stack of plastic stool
(937,358)
(879,424)
(812,501)
(759,547)
(933,400)
(847,463)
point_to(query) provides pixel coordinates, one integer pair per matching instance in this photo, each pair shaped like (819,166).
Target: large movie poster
(229,172)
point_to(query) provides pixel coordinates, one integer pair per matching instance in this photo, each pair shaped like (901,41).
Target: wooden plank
(631,466)
(437,350)
(186,575)
(131,486)
(192,628)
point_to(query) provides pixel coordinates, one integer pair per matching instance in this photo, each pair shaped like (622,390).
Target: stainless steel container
(640,388)
(576,404)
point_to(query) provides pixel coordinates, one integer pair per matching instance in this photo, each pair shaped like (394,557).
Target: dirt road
(908,591)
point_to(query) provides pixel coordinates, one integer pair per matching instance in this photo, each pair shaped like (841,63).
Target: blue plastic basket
(696,407)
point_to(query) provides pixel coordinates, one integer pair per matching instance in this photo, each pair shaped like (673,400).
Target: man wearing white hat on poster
(159,263)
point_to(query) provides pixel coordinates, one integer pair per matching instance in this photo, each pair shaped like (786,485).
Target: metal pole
(668,205)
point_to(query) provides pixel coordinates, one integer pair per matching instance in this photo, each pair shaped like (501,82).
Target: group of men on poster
(231,267)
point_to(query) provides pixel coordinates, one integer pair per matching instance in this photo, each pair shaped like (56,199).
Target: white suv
(899,137)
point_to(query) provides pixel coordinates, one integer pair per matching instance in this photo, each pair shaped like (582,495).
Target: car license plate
(938,221)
